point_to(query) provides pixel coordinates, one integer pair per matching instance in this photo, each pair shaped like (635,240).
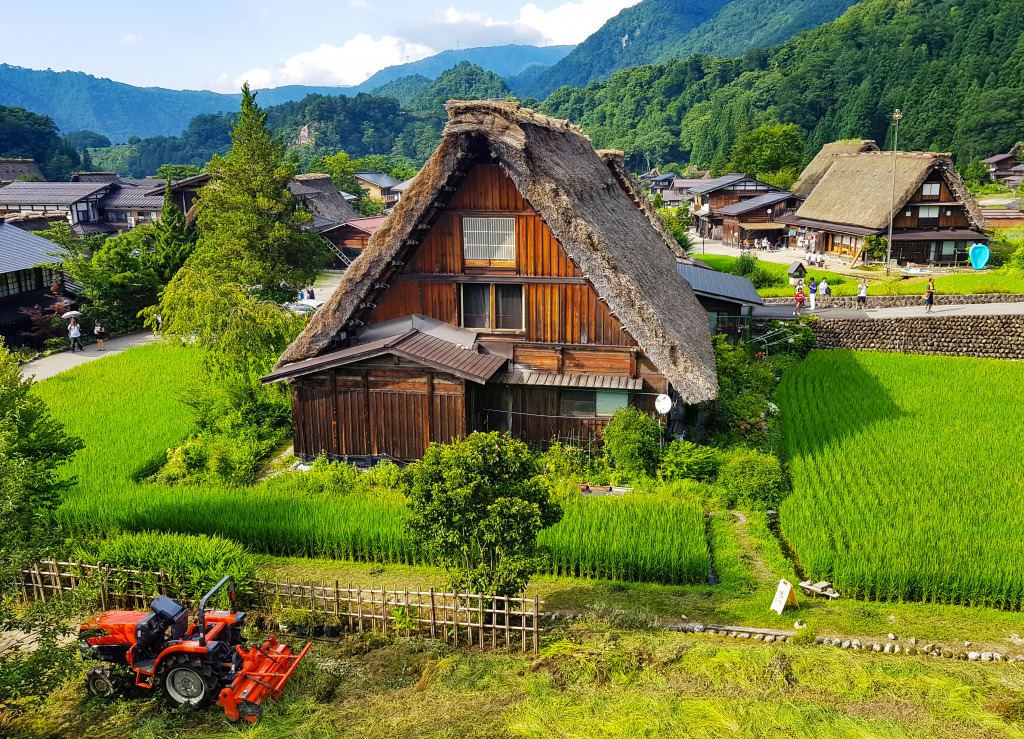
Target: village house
(520,285)
(79,202)
(23,283)
(351,237)
(935,219)
(1002,166)
(757,218)
(825,158)
(12,170)
(710,196)
(379,186)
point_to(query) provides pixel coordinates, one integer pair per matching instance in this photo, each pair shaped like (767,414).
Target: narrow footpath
(54,364)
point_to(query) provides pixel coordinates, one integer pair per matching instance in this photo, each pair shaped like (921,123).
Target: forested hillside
(955,68)
(24,134)
(655,31)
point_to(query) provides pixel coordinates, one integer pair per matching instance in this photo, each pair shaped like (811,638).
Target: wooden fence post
(480,619)
(359,605)
(455,617)
(508,643)
(38,579)
(433,619)
(57,583)
(337,603)
(536,624)
(348,607)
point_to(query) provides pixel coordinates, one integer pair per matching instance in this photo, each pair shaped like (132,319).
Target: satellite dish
(663,404)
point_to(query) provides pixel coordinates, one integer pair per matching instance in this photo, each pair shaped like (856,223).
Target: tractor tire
(186,681)
(103,682)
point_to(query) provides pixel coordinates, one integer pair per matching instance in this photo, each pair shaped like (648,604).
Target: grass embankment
(990,281)
(127,409)
(907,472)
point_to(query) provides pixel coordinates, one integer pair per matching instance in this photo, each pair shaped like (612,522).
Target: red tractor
(193,663)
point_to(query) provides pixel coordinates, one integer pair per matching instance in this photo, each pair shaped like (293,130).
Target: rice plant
(907,472)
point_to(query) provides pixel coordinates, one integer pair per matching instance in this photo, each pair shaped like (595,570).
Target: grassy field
(960,284)
(907,473)
(127,410)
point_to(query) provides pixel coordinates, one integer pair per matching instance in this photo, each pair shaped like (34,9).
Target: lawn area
(989,281)
(127,409)
(907,473)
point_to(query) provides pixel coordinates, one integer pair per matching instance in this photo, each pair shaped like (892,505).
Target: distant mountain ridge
(78,101)
(654,31)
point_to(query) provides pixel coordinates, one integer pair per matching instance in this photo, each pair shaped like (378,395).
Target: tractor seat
(173,614)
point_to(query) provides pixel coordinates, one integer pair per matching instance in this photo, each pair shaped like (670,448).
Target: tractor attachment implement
(265,669)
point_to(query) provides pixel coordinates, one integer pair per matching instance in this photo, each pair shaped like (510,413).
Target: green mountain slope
(955,68)
(655,31)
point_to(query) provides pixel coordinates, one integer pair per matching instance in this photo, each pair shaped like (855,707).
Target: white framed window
(948,248)
(930,189)
(928,211)
(492,307)
(489,240)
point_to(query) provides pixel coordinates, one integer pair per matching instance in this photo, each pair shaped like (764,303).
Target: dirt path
(750,555)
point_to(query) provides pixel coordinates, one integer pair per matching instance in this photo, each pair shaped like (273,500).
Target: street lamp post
(892,202)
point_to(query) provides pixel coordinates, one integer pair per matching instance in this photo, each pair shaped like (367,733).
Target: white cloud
(132,39)
(348,64)
(573,22)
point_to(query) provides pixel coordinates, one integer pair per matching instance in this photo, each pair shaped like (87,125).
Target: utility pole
(892,202)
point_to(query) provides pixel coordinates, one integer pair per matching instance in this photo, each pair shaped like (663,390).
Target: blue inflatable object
(978,254)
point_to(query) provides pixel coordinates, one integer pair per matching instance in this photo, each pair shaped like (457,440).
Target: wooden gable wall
(561,306)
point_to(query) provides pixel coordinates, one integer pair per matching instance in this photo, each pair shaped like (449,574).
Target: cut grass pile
(127,409)
(959,284)
(907,473)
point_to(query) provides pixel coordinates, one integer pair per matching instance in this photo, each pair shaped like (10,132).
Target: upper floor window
(928,213)
(488,241)
(930,190)
(492,307)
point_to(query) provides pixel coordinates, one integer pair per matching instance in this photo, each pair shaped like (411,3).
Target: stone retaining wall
(995,337)
(903,301)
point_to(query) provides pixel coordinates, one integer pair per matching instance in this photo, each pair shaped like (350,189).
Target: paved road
(57,363)
(914,311)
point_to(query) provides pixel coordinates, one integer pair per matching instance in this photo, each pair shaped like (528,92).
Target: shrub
(754,480)
(565,461)
(384,474)
(332,479)
(632,442)
(761,278)
(686,460)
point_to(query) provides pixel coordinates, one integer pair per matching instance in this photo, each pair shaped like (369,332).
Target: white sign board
(784,595)
(663,404)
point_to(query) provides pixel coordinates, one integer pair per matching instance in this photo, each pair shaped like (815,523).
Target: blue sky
(217,44)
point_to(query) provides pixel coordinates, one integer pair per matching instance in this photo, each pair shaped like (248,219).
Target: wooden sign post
(784,595)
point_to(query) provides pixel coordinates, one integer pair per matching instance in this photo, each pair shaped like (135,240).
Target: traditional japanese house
(351,238)
(935,219)
(1001,166)
(24,284)
(824,159)
(14,169)
(757,218)
(517,286)
(710,196)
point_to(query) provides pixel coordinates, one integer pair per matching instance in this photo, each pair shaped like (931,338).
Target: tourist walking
(75,334)
(862,295)
(929,295)
(824,288)
(101,336)
(812,290)
(310,294)
(799,298)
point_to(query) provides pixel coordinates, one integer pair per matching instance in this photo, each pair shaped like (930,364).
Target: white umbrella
(72,314)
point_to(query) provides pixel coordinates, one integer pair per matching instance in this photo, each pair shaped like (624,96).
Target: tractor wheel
(103,682)
(186,681)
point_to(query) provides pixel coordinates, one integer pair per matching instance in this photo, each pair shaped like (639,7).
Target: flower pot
(332,631)
(318,630)
(300,630)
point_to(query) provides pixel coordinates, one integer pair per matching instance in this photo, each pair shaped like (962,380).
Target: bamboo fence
(466,619)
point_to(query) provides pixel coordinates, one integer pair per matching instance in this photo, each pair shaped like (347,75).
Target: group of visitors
(809,293)
(307,294)
(763,244)
(75,335)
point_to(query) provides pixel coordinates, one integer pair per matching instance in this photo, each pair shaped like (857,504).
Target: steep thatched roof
(323,197)
(856,189)
(824,159)
(611,240)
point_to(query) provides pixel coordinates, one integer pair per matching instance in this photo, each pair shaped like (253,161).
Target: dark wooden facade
(711,197)
(394,408)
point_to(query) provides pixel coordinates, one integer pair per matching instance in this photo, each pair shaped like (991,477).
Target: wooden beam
(489,277)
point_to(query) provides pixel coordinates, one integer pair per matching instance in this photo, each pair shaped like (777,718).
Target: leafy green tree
(342,170)
(767,150)
(875,246)
(677,221)
(477,506)
(251,232)
(173,240)
(367,206)
(34,446)
(177,171)
(632,443)
(976,173)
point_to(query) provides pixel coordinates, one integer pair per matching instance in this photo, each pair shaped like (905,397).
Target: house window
(489,240)
(493,307)
(930,189)
(928,215)
(948,248)
(579,403)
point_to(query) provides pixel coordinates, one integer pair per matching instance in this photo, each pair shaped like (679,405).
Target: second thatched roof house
(934,218)
(517,286)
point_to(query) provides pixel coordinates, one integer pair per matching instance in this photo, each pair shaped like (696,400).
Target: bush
(386,474)
(761,278)
(192,564)
(754,480)
(711,497)
(333,479)
(686,460)
(632,442)
(565,461)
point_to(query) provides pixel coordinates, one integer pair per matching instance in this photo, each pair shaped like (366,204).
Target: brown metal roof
(413,345)
(590,382)
(960,234)
(794,220)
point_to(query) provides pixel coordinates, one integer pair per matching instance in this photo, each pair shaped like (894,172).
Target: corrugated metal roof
(413,345)
(589,382)
(132,197)
(402,186)
(961,234)
(719,284)
(795,220)
(760,201)
(22,249)
(718,182)
(378,178)
(48,193)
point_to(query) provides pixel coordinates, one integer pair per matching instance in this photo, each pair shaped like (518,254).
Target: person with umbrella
(75,334)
